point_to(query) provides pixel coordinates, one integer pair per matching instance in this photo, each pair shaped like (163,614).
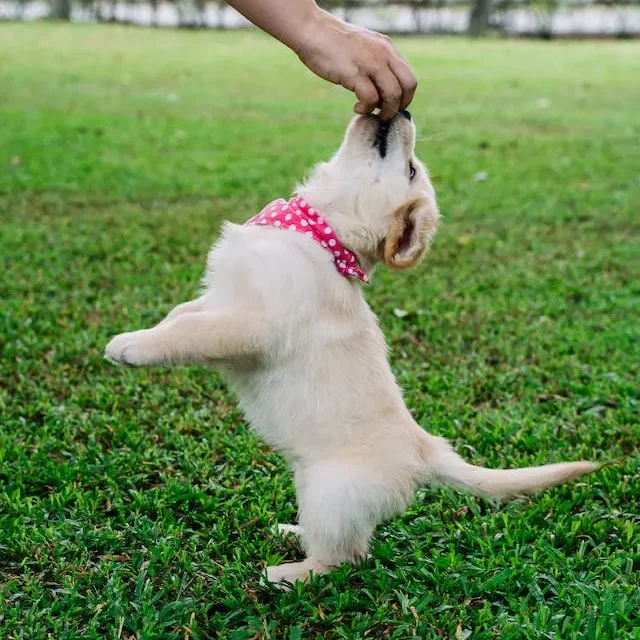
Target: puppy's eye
(412,171)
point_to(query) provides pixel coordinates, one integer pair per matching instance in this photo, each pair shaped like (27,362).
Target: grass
(136,504)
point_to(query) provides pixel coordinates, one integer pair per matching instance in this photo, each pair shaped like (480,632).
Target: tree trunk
(220,24)
(201,10)
(20,7)
(479,19)
(61,9)
(416,12)
(348,10)
(154,12)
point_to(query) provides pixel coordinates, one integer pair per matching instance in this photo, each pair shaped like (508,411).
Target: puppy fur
(304,353)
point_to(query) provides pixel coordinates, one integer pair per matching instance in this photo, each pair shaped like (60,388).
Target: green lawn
(136,504)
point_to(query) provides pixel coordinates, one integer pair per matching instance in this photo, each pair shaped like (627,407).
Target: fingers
(367,94)
(406,78)
(387,82)
(363,61)
(390,92)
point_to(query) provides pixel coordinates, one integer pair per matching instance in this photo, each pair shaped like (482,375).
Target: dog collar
(298,215)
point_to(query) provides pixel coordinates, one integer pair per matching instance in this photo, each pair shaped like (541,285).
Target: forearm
(285,20)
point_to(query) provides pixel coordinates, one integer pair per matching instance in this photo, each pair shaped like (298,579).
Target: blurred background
(532,18)
(136,503)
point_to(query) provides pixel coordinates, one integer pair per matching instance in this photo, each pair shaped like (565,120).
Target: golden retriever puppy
(282,314)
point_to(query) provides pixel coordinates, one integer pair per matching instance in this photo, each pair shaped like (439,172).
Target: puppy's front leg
(185,307)
(190,338)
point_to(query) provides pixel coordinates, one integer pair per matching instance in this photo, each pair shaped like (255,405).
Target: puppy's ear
(413,225)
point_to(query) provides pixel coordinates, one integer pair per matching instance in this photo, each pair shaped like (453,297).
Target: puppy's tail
(445,466)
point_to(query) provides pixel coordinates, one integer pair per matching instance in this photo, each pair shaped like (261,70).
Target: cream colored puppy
(283,316)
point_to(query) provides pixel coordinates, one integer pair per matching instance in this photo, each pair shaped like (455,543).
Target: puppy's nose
(405,114)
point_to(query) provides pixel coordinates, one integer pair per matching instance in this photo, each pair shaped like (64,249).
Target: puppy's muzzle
(381,142)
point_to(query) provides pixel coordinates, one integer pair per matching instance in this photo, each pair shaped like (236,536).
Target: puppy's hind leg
(341,502)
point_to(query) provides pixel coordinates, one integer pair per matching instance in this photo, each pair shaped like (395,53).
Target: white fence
(590,20)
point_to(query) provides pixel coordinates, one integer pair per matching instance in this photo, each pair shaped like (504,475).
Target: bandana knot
(298,215)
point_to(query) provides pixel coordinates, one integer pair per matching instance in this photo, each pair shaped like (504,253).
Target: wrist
(306,34)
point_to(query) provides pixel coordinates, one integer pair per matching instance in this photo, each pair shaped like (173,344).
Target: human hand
(360,60)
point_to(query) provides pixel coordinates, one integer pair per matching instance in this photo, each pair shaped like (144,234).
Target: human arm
(360,60)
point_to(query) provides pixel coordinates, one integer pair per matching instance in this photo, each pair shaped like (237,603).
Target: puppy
(282,314)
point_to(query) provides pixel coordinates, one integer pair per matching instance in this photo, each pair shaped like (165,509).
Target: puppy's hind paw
(284,575)
(290,529)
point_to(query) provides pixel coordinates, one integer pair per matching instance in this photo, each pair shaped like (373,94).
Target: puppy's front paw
(128,348)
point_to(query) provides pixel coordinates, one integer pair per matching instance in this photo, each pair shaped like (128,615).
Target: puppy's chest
(311,395)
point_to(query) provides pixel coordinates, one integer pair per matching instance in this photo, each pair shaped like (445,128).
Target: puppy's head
(377,192)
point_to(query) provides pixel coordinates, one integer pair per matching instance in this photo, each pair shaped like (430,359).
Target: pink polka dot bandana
(298,215)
